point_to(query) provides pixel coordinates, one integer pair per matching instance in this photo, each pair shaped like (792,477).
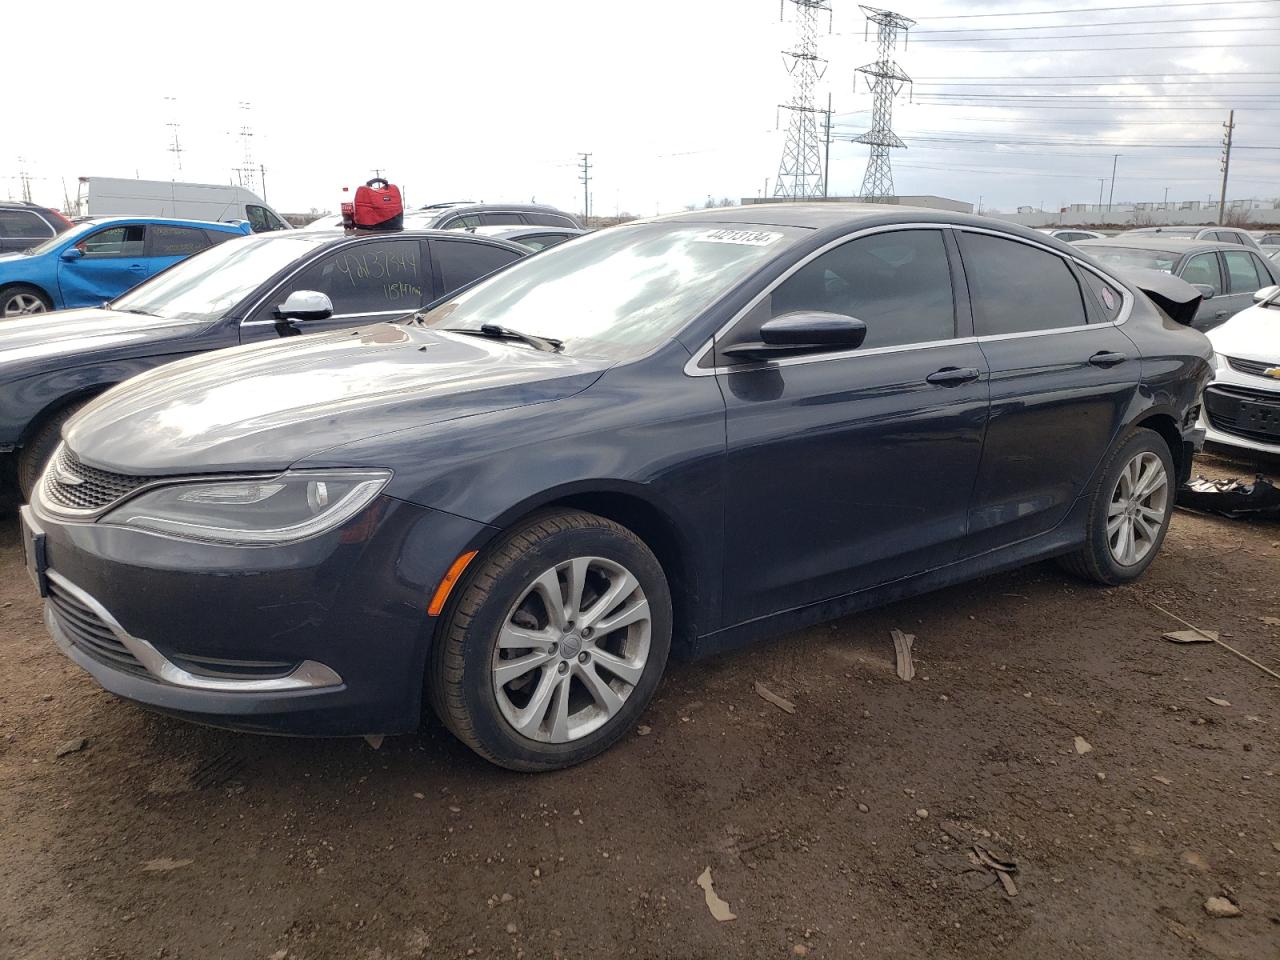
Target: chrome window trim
(692,369)
(307,675)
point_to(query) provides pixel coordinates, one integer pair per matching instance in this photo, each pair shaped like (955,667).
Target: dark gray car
(1240,238)
(464,215)
(1227,275)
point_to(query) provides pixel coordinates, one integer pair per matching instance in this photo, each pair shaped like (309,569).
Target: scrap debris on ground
(719,908)
(781,703)
(902,643)
(1234,498)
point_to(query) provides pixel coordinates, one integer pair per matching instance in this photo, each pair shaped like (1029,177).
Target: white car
(1242,403)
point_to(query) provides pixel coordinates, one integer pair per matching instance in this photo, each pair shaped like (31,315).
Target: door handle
(1107,358)
(137,267)
(953,376)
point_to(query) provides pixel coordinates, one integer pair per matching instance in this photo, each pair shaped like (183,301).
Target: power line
(1144,6)
(1089,26)
(1181,47)
(1089,36)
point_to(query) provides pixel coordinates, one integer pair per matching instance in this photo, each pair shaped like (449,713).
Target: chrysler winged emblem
(65,476)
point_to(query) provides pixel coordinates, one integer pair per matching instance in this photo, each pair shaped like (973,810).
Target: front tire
(23,300)
(556,643)
(39,448)
(1129,514)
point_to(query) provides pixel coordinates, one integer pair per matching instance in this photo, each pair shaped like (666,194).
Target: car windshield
(209,284)
(619,292)
(1135,257)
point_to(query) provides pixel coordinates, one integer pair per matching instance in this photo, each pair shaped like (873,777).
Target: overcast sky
(675,99)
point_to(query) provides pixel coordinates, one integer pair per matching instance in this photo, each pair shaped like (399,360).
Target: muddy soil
(841,830)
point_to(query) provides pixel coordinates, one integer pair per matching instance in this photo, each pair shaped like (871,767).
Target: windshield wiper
(495,332)
(141,313)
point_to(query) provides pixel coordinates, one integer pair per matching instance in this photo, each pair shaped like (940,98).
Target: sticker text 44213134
(750,238)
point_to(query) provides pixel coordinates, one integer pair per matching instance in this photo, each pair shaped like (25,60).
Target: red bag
(378,207)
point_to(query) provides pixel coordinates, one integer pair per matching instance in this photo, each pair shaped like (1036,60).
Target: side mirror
(800,333)
(72,253)
(1266,293)
(1206,291)
(305,305)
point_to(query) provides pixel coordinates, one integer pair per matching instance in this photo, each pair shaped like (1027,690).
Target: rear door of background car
(114,260)
(1062,374)
(368,281)
(169,243)
(1206,269)
(849,469)
(1245,275)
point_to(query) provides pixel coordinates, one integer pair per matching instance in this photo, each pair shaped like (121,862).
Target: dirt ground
(841,830)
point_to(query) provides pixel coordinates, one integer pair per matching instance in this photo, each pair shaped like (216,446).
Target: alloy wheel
(572,649)
(23,304)
(1139,504)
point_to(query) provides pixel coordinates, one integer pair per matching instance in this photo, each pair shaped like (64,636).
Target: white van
(116,196)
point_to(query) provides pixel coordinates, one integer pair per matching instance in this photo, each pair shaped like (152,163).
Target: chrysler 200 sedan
(678,435)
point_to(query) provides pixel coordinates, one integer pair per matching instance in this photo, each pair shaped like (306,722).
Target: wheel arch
(630,505)
(57,406)
(38,287)
(1166,424)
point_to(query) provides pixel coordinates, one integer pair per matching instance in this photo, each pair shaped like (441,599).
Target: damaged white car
(1242,403)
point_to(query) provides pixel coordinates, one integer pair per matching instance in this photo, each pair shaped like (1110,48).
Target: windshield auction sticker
(750,238)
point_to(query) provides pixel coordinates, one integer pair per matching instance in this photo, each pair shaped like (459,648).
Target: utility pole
(262,169)
(1112,195)
(1101,183)
(826,161)
(1166,198)
(585,177)
(1230,127)
(175,147)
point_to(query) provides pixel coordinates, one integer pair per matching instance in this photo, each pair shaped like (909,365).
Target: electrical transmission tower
(877,182)
(247,170)
(800,172)
(175,147)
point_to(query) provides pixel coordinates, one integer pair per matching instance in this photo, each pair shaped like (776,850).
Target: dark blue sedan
(97,260)
(678,435)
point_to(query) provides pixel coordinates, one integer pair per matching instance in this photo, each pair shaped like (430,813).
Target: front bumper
(326,637)
(1242,410)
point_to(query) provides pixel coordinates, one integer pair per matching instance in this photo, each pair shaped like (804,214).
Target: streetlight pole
(1110,197)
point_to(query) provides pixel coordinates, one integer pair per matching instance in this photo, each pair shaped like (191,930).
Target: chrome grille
(1256,367)
(90,633)
(96,488)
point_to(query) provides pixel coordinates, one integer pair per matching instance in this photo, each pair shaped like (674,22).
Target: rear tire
(1129,512)
(23,300)
(39,448)
(554,644)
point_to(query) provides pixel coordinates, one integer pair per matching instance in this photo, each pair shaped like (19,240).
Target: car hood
(264,407)
(1252,334)
(13,255)
(64,333)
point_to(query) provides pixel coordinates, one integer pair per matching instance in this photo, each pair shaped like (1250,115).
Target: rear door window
(170,241)
(498,219)
(1203,268)
(540,219)
(1241,275)
(1018,288)
(540,241)
(23,225)
(461,261)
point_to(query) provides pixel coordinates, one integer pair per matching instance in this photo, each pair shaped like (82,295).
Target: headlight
(271,510)
(1219,361)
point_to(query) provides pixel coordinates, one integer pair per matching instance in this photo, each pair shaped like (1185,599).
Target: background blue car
(98,260)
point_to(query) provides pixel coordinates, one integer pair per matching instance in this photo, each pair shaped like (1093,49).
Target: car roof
(1165,244)
(454,207)
(337,234)
(165,221)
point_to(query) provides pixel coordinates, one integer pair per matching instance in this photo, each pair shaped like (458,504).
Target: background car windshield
(209,284)
(620,292)
(1131,257)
